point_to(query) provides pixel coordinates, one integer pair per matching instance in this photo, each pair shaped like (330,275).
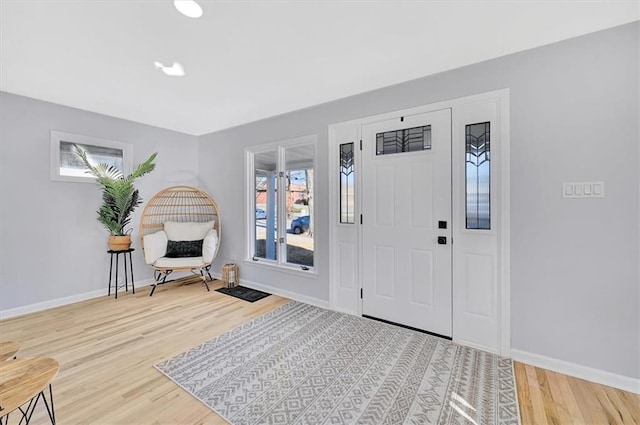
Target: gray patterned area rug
(301,364)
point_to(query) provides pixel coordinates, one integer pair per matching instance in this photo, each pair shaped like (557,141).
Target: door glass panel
(405,140)
(266,211)
(478,176)
(299,175)
(347,175)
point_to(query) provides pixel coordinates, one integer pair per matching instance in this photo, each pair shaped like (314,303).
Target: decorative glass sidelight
(405,140)
(347,184)
(478,175)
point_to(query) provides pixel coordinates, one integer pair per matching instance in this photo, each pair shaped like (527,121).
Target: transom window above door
(404,140)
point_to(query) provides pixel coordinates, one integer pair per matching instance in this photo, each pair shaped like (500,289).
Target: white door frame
(345,285)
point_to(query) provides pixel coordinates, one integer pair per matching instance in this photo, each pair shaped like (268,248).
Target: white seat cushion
(155,246)
(209,245)
(185,262)
(188,231)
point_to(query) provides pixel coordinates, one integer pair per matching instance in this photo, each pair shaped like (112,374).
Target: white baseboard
(584,372)
(343,310)
(480,347)
(58,302)
(280,292)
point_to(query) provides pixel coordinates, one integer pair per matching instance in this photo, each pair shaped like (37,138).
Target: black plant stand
(126,276)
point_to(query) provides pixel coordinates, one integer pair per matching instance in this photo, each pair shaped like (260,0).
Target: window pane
(478,175)
(72,165)
(347,175)
(299,201)
(406,140)
(265,172)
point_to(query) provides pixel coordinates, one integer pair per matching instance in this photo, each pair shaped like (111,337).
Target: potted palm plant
(119,197)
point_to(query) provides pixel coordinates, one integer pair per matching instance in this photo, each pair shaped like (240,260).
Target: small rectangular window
(405,140)
(67,166)
(72,165)
(478,175)
(347,184)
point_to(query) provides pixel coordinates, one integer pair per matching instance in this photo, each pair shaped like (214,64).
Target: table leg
(117,262)
(50,411)
(110,270)
(133,287)
(31,407)
(126,275)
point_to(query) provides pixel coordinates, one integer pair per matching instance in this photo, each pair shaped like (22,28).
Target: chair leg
(204,280)
(208,271)
(160,277)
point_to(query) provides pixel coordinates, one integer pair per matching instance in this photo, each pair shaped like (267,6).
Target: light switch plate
(583,190)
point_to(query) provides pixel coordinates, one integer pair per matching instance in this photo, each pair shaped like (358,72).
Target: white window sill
(290,269)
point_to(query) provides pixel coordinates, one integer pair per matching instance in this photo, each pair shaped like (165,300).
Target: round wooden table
(24,381)
(8,350)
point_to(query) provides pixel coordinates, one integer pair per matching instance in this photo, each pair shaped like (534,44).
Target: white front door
(406,228)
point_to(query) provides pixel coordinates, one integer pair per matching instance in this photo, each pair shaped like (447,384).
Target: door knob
(442,240)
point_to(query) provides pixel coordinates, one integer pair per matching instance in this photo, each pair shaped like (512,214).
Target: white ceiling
(248,60)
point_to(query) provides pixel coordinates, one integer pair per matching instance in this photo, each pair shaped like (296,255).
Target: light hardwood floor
(107,349)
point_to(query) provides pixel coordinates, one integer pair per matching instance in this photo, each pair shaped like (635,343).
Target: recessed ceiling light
(188,8)
(175,70)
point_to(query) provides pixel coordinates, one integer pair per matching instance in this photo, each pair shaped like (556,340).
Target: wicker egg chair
(181,213)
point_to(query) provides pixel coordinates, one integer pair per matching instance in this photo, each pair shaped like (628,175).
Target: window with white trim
(67,166)
(280,203)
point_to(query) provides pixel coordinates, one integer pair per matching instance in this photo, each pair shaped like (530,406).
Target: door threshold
(408,327)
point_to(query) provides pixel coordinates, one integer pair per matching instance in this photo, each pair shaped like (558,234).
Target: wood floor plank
(589,405)
(562,401)
(631,402)
(537,399)
(524,398)
(550,406)
(568,398)
(107,349)
(614,414)
(620,406)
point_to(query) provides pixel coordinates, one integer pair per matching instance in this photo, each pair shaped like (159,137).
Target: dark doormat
(246,294)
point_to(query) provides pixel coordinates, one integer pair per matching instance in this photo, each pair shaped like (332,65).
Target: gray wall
(574,117)
(51,244)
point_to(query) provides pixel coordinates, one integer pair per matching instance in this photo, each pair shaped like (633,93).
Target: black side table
(126,277)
